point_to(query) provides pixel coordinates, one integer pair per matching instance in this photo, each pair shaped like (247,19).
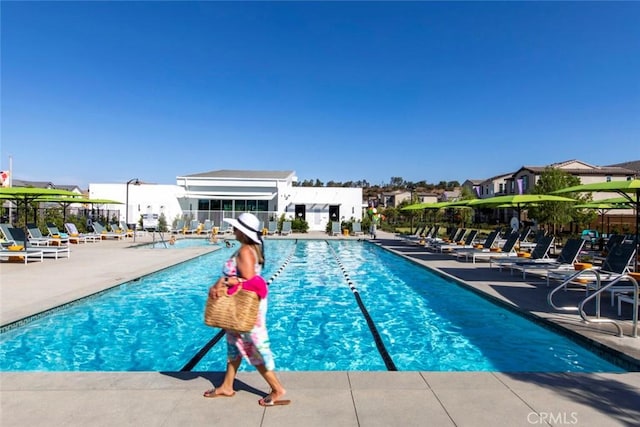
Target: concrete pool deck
(319,398)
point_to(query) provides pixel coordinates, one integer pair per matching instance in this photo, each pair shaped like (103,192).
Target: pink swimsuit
(254,345)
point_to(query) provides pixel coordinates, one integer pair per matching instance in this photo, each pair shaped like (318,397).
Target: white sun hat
(248,224)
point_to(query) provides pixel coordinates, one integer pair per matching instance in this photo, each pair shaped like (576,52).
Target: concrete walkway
(319,398)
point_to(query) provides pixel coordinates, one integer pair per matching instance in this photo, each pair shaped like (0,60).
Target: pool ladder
(597,294)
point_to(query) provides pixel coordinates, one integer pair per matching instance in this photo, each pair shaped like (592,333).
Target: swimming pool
(423,321)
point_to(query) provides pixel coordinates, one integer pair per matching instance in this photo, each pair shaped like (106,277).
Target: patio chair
(335,228)
(419,233)
(104,234)
(272,228)
(286,228)
(36,238)
(55,233)
(207,227)
(356,229)
(123,226)
(485,246)
(507,250)
(451,238)
(76,236)
(18,235)
(539,253)
(193,227)
(179,228)
(419,237)
(565,260)
(466,244)
(225,228)
(115,228)
(618,262)
(15,252)
(612,242)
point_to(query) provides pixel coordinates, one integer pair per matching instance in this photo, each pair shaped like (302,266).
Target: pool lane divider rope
(208,346)
(372,327)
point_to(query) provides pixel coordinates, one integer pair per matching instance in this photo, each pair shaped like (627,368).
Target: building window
(241,205)
(203,205)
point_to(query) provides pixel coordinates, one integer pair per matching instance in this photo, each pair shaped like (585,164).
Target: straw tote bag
(236,312)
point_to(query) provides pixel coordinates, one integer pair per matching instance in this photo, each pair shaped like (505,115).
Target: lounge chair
(17,252)
(55,233)
(565,260)
(104,234)
(420,236)
(76,236)
(453,239)
(618,262)
(129,232)
(36,238)
(523,243)
(507,250)
(225,228)
(466,244)
(335,228)
(420,232)
(539,253)
(611,243)
(286,228)
(356,229)
(273,228)
(179,228)
(485,246)
(435,240)
(432,232)
(10,239)
(115,228)
(207,227)
(193,227)
(18,236)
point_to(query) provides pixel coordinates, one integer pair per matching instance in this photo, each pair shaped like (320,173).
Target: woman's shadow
(215,378)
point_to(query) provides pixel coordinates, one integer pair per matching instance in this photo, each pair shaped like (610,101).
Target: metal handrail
(596,295)
(565,283)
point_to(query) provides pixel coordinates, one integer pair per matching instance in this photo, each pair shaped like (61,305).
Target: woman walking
(246,263)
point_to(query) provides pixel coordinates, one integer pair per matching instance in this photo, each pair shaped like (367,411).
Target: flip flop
(267,401)
(211,393)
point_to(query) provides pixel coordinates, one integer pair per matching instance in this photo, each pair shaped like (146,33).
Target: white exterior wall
(317,201)
(143,198)
(171,200)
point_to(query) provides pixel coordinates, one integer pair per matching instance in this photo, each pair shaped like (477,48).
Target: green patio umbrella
(517,201)
(413,207)
(25,195)
(629,189)
(616,201)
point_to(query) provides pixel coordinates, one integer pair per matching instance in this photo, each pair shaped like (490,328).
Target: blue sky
(96,92)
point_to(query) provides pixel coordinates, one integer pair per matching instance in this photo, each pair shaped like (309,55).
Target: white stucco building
(227,193)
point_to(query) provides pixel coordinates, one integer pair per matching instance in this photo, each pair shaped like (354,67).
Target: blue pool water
(425,322)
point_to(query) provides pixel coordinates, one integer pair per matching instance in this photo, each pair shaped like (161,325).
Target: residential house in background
(524,179)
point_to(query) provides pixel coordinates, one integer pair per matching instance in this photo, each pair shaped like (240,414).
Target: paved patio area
(319,398)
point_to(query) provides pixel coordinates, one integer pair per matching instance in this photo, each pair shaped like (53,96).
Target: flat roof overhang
(228,195)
